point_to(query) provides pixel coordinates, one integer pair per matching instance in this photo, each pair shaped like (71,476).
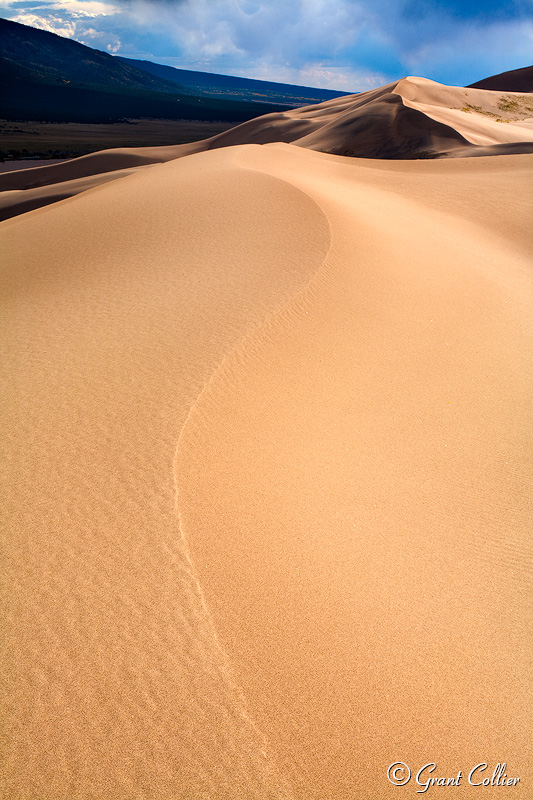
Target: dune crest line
(354,490)
(410,118)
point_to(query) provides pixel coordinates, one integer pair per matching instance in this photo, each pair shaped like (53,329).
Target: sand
(265,478)
(28,163)
(414,118)
(516,80)
(19,201)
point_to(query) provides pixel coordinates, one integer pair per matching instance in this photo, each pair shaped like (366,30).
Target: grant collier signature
(400,774)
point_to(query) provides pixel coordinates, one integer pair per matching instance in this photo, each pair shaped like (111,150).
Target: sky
(349,45)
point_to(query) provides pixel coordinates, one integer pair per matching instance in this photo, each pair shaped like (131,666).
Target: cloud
(70,18)
(101,40)
(495,47)
(268,40)
(340,77)
(345,44)
(50,23)
(84,8)
(355,40)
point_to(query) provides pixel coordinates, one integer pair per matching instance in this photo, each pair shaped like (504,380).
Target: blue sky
(350,45)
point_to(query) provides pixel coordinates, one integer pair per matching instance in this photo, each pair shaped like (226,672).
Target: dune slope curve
(118,305)
(413,118)
(353,486)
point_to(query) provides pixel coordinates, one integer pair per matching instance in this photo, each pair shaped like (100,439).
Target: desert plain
(267,458)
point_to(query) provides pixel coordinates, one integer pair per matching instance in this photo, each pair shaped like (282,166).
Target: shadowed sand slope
(266,484)
(516,80)
(414,118)
(18,201)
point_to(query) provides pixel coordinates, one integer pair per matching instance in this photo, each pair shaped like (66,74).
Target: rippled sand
(266,479)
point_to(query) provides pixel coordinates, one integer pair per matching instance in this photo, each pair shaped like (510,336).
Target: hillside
(57,61)
(50,78)
(212,85)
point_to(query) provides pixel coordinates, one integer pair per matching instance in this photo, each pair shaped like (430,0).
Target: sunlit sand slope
(117,307)
(266,479)
(353,483)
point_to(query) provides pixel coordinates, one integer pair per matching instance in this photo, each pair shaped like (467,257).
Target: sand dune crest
(413,118)
(265,466)
(355,455)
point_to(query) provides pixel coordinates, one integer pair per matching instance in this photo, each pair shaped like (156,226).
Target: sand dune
(266,467)
(410,119)
(515,80)
(19,201)
(93,164)
(357,453)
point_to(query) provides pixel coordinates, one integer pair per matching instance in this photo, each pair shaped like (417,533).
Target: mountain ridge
(51,78)
(213,85)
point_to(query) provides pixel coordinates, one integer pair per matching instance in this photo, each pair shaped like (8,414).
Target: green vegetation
(508,103)
(468,109)
(516,104)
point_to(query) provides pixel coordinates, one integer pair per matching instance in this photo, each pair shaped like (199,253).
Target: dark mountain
(50,78)
(516,80)
(212,85)
(57,61)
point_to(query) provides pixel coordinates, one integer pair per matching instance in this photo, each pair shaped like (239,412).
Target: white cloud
(101,40)
(303,42)
(340,78)
(84,8)
(52,24)
(69,18)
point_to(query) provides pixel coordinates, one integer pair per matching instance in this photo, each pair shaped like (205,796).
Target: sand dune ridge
(413,118)
(286,409)
(265,468)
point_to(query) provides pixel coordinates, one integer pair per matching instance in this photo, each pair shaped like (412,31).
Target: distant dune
(516,80)
(411,119)
(266,459)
